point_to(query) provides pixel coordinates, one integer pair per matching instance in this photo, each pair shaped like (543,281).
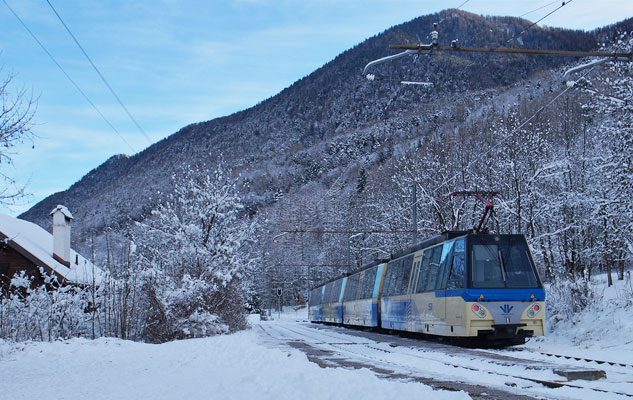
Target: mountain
(305,137)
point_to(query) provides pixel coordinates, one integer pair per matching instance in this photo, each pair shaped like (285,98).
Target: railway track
(451,362)
(581,359)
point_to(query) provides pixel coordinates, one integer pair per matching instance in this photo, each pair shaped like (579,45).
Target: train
(472,287)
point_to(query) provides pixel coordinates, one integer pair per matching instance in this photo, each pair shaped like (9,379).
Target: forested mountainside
(336,151)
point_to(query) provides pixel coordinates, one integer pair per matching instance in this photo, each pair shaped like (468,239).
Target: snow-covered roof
(38,243)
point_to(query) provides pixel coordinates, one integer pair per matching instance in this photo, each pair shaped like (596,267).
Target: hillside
(335,150)
(263,143)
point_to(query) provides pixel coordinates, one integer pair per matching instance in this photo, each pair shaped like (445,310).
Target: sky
(174,62)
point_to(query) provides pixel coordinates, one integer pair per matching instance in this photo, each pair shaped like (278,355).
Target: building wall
(12,262)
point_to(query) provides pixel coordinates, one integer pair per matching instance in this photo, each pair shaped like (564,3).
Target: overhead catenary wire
(540,8)
(79,89)
(563,4)
(105,81)
(511,133)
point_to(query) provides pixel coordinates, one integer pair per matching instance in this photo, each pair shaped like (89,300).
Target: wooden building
(25,246)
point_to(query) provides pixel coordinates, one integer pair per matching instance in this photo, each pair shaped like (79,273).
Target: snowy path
(290,358)
(235,367)
(522,373)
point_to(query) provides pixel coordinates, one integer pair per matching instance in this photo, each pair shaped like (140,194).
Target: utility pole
(414,213)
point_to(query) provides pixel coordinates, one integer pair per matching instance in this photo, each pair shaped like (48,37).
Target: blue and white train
(482,287)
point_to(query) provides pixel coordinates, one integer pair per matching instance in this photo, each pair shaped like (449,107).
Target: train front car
(478,287)
(504,299)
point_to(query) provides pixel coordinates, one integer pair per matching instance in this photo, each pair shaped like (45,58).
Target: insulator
(434,37)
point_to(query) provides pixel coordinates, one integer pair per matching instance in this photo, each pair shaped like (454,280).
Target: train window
(317,295)
(367,284)
(398,278)
(445,266)
(434,267)
(326,293)
(361,285)
(456,277)
(504,263)
(407,264)
(351,287)
(388,278)
(423,275)
(336,291)
(486,271)
(517,265)
(371,282)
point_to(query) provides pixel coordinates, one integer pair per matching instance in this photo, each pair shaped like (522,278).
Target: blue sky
(177,62)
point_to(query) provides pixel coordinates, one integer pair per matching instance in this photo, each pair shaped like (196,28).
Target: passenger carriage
(332,301)
(463,284)
(361,297)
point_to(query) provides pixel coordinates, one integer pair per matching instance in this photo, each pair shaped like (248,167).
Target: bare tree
(16,123)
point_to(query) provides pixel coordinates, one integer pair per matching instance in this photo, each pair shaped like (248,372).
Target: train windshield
(501,262)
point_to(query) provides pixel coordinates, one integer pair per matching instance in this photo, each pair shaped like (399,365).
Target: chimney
(61,234)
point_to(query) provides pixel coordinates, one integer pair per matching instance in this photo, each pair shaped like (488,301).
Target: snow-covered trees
(191,251)
(180,275)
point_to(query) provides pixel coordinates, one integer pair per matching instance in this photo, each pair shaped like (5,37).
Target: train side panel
(315,308)
(361,307)
(361,312)
(333,311)
(396,312)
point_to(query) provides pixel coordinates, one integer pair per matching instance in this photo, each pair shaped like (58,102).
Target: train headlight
(478,310)
(533,310)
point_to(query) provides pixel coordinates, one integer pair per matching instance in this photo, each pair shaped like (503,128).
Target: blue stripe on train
(494,294)
(374,314)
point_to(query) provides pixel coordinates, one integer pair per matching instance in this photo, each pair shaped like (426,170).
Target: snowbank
(603,331)
(223,367)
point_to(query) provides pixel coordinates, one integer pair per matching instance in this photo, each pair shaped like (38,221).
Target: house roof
(36,244)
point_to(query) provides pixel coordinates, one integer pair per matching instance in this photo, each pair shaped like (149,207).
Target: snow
(604,331)
(234,366)
(39,243)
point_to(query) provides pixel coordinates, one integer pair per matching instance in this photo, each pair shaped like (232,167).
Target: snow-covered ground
(604,331)
(261,363)
(235,366)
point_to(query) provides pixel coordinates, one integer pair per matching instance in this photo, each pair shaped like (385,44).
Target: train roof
(444,236)
(364,267)
(447,235)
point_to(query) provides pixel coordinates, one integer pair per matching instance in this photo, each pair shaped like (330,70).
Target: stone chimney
(61,234)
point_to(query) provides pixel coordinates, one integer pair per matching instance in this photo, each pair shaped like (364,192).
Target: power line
(516,129)
(563,4)
(462,5)
(540,8)
(344,231)
(99,72)
(68,76)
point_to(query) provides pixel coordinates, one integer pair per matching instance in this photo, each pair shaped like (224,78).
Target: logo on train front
(506,308)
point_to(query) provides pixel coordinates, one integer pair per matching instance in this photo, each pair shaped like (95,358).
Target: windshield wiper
(503,268)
